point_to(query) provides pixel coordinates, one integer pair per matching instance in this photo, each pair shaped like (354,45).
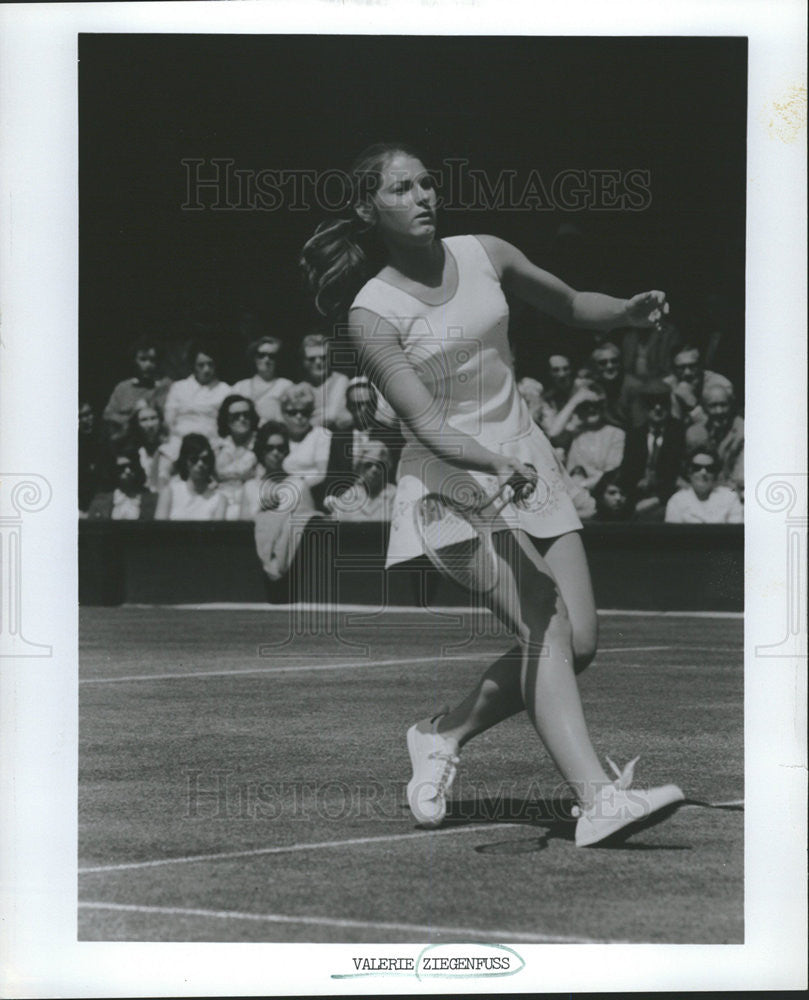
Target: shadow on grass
(555,820)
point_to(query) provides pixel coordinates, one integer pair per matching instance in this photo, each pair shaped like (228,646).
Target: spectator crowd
(266,449)
(642,428)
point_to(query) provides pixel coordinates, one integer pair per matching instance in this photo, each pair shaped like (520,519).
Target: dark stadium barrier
(663,567)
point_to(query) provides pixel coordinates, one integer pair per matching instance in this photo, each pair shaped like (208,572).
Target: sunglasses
(702,467)
(297,412)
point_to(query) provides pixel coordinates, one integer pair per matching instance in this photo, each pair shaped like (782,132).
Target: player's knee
(538,634)
(585,644)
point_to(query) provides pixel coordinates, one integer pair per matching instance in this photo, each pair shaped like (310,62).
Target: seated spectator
(385,417)
(688,382)
(583,502)
(585,377)
(192,404)
(723,431)
(309,446)
(611,500)
(90,456)
(145,387)
(349,446)
(531,392)
(128,500)
(646,353)
(265,387)
(280,505)
(653,453)
(370,420)
(271,447)
(567,423)
(371,496)
(193,493)
(621,389)
(704,501)
(235,459)
(149,437)
(598,447)
(329,388)
(557,391)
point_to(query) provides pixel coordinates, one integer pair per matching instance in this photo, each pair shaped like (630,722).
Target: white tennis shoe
(618,807)
(434,765)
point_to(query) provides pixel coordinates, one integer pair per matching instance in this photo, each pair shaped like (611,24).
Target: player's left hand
(647,309)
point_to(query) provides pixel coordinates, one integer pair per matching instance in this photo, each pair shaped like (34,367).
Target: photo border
(38,692)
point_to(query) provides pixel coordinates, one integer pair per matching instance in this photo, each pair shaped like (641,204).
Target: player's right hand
(520,476)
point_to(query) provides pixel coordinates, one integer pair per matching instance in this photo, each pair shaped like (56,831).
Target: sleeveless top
(460,352)
(188,505)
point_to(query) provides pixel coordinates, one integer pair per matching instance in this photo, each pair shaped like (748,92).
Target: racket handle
(520,485)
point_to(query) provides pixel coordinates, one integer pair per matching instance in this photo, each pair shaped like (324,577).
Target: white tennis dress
(460,351)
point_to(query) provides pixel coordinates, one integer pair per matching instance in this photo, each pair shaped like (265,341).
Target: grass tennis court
(242,778)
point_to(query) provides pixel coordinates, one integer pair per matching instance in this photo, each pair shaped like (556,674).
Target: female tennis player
(430,319)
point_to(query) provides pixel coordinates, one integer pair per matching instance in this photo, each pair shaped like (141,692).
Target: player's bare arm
(549,294)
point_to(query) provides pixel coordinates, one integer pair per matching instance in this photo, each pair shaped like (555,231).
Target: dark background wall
(675,107)
(660,567)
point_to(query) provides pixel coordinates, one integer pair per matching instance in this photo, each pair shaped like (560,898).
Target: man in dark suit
(349,446)
(653,452)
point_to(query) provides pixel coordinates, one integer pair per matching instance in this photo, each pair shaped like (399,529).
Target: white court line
(425,930)
(357,665)
(403,609)
(281,670)
(712,805)
(292,848)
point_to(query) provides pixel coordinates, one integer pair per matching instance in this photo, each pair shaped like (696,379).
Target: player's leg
(527,597)
(567,561)
(528,593)
(495,697)
(498,693)
(537,675)
(606,807)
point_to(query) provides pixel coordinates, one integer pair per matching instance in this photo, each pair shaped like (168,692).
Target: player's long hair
(344,252)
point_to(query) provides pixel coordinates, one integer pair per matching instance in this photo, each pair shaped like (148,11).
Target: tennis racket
(456,531)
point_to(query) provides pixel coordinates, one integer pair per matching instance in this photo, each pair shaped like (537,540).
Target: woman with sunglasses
(127,499)
(193,492)
(703,501)
(429,319)
(278,503)
(309,445)
(266,387)
(235,460)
